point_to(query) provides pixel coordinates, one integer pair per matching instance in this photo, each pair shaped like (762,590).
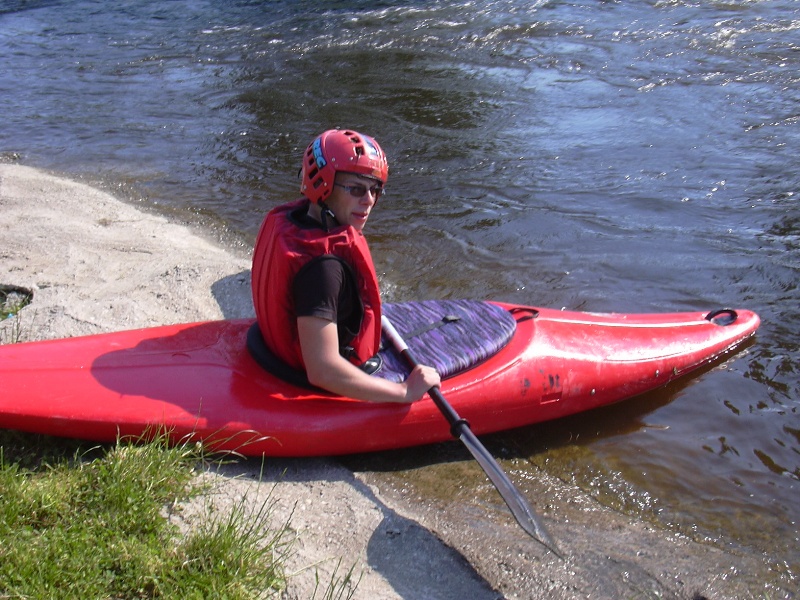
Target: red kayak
(503,366)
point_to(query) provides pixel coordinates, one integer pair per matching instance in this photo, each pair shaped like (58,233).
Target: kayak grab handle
(723,316)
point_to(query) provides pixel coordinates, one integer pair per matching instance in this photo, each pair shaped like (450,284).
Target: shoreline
(97,264)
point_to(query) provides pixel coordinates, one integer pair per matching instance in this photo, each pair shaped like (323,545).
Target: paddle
(460,429)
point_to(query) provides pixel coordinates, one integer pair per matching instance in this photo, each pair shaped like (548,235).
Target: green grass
(12,300)
(94,525)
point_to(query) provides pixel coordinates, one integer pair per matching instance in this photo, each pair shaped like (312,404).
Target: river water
(593,155)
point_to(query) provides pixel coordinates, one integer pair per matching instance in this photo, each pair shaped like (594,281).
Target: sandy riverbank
(97,264)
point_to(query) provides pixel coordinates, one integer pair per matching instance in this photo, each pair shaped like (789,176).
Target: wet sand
(98,264)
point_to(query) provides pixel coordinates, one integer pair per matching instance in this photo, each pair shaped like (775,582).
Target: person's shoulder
(325,272)
(326,265)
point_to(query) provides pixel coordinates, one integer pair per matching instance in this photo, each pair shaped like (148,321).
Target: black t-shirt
(326,288)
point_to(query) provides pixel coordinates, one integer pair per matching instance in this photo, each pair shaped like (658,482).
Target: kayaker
(315,289)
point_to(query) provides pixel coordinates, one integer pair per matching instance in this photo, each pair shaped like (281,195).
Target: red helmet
(340,150)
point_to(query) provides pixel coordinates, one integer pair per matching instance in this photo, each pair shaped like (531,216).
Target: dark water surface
(602,156)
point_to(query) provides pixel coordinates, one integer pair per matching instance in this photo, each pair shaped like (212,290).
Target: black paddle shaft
(460,429)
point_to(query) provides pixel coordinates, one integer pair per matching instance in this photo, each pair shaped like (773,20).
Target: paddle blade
(516,502)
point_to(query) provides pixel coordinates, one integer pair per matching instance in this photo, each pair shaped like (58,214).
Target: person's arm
(329,370)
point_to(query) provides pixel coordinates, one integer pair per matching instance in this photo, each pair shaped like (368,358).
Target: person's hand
(421,379)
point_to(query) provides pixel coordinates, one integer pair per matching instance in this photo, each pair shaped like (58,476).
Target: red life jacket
(282,248)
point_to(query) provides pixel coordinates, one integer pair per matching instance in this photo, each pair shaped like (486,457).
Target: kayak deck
(199,382)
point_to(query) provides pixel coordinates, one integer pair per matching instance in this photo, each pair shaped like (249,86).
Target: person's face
(352,199)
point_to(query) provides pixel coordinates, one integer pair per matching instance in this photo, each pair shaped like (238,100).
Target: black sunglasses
(359,190)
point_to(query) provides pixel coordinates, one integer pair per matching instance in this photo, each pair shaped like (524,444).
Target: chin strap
(326,213)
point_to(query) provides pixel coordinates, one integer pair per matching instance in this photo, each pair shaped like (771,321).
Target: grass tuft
(94,527)
(12,300)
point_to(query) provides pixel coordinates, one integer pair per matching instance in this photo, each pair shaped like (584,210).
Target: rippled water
(603,156)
